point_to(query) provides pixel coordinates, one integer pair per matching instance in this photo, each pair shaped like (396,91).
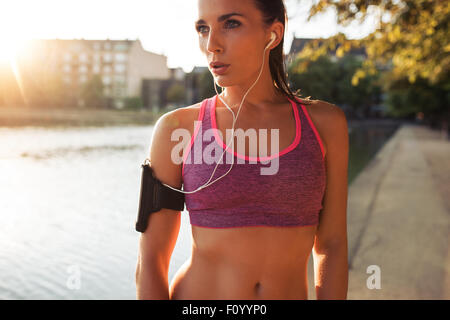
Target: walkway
(399,219)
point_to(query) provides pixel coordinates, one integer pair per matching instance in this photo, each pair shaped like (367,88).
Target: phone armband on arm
(154,196)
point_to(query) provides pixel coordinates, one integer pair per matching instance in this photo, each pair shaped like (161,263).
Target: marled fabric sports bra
(245,197)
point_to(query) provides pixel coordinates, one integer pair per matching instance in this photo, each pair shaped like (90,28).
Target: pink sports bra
(245,197)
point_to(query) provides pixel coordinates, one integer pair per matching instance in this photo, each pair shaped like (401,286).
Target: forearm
(151,284)
(331,273)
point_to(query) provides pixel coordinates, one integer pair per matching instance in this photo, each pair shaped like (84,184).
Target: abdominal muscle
(247,263)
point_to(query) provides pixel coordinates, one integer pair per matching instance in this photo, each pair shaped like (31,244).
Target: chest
(257,134)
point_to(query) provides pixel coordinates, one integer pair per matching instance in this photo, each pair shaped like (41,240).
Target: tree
(331,80)
(405,99)
(410,45)
(133,102)
(412,36)
(206,84)
(317,79)
(176,93)
(92,92)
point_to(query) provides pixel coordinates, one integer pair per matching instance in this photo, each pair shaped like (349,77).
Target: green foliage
(331,81)
(410,44)
(176,93)
(133,103)
(206,85)
(405,99)
(412,35)
(317,80)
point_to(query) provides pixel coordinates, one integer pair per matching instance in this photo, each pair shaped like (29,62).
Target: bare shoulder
(330,122)
(179,115)
(179,118)
(325,111)
(165,151)
(183,117)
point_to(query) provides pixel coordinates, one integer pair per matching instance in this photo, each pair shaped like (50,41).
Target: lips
(220,70)
(217,64)
(218,67)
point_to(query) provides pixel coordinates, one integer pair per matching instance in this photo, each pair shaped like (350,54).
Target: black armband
(154,196)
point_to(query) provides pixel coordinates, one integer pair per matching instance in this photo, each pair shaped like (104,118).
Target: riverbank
(22,117)
(398,219)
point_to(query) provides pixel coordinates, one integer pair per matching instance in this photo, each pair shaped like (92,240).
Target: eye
(230,24)
(233,22)
(200,28)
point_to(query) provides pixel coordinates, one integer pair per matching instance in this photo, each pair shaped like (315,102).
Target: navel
(257,287)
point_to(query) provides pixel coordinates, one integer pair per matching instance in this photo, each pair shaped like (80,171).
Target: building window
(83,57)
(96,68)
(67,68)
(106,80)
(119,68)
(107,46)
(120,57)
(96,46)
(107,57)
(121,47)
(82,69)
(67,56)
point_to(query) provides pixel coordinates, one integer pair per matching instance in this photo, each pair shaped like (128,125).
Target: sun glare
(10,49)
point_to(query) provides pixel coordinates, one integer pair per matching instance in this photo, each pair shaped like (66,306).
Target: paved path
(399,219)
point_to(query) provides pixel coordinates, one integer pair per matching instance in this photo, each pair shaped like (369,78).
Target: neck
(262,95)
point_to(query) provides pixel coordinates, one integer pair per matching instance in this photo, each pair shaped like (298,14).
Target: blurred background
(83,82)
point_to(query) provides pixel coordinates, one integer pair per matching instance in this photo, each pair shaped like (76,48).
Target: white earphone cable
(232,131)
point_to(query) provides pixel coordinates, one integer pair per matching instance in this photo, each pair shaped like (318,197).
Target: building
(194,85)
(158,91)
(125,68)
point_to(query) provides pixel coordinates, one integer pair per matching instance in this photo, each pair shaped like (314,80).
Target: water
(68,203)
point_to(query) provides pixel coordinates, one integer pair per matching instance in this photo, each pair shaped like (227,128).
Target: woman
(252,233)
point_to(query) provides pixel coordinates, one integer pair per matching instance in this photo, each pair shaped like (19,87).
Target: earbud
(273,36)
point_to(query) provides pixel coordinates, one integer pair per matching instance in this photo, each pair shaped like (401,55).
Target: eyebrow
(222,17)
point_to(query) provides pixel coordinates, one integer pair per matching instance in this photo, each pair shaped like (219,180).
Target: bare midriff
(247,263)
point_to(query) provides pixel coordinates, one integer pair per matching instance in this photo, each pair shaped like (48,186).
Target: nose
(214,43)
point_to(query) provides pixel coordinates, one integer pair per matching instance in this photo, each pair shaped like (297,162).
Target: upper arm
(159,239)
(332,229)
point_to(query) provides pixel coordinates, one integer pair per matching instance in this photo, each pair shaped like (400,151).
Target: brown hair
(275,10)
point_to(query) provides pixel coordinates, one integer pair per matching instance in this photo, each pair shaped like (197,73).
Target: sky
(163,26)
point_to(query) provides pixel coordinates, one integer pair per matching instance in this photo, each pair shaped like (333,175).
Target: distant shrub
(133,103)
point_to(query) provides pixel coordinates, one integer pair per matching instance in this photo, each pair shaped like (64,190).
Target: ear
(278,28)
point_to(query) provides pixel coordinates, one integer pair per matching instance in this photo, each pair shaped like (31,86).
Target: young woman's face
(236,40)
